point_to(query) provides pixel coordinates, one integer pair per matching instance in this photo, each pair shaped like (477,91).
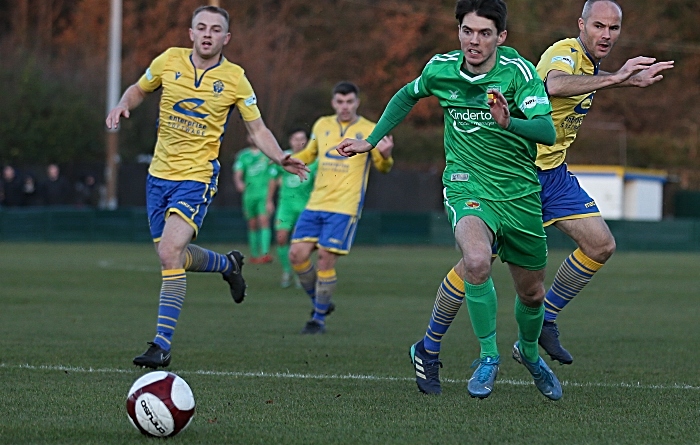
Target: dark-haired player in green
(293,196)
(496,111)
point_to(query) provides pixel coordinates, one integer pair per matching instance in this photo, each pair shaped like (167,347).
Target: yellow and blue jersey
(195,107)
(571,57)
(341,182)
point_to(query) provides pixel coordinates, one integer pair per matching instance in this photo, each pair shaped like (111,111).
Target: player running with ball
(496,111)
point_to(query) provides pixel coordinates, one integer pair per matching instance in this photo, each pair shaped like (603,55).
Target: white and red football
(160,404)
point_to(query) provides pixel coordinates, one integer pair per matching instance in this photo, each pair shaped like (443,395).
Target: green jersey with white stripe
(483,158)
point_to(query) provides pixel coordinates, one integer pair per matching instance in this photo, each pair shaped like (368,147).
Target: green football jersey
(256,171)
(483,158)
(293,191)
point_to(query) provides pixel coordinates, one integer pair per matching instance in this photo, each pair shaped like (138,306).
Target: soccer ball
(160,404)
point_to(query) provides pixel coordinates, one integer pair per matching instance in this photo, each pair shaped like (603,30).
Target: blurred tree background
(55,53)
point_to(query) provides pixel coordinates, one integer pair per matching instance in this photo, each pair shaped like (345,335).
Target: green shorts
(516,224)
(254,206)
(287,216)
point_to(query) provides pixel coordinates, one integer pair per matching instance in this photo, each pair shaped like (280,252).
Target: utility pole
(114,69)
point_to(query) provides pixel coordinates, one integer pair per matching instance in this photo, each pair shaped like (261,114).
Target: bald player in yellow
(200,90)
(570,70)
(329,221)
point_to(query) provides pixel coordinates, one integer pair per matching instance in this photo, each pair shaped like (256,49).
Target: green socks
(483,305)
(529,327)
(283,255)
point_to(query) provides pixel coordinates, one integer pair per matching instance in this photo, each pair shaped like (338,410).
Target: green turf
(72,316)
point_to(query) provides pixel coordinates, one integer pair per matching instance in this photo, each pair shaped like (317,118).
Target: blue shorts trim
(189,199)
(334,232)
(562,196)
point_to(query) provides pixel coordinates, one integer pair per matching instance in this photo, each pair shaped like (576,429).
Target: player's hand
(499,107)
(385,145)
(351,147)
(650,75)
(632,66)
(115,113)
(296,166)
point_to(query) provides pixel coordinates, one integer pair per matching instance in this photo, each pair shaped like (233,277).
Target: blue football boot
(481,383)
(545,380)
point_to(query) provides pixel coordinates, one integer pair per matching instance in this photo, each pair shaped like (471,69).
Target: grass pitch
(72,316)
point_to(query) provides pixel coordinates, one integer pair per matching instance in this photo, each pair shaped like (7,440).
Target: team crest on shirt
(218,88)
(177,75)
(472,205)
(359,136)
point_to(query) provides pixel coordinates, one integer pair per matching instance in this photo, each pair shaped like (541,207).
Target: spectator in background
(87,192)
(29,191)
(11,191)
(56,189)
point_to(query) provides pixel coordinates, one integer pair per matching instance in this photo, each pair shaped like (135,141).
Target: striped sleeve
(530,96)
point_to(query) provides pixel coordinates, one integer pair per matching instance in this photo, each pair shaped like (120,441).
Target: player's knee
(609,248)
(603,250)
(326,260)
(281,238)
(170,257)
(532,296)
(297,255)
(477,268)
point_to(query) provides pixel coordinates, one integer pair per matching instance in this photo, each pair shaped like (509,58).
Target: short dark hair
(297,130)
(345,87)
(495,10)
(215,9)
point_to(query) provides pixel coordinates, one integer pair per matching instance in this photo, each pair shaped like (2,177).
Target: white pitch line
(290,375)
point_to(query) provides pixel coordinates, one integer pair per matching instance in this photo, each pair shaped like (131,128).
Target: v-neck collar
(596,66)
(470,76)
(344,130)
(197,81)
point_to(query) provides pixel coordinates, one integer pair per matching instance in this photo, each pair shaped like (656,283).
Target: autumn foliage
(295,50)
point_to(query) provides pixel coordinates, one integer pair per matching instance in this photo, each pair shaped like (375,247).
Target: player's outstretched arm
(132,98)
(265,141)
(396,110)
(649,76)
(351,147)
(561,84)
